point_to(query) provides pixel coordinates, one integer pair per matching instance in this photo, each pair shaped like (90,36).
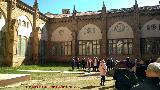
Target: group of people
(128,74)
(137,75)
(92,64)
(86,63)
(102,65)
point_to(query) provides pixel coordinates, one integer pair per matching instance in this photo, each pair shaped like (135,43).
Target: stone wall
(134,19)
(18,10)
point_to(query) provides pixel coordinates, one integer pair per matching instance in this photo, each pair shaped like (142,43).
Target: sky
(56,6)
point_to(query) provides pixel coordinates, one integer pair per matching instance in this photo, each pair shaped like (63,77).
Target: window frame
(88,53)
(152,42)
(63,47)
(113,43)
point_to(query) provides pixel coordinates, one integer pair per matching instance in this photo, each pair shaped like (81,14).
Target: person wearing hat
(140,70)
(125,78)
(103,71)
(152,82)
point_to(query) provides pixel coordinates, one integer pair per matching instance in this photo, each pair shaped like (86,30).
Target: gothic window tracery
(89,47)
(62,48)
(150,46)
(120,27)
(148,27)
(120,46)
(153,26)
(89,31)
(22,45)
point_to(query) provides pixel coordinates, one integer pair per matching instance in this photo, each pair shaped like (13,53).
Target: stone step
(7,79)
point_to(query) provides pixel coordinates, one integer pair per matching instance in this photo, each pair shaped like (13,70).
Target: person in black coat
(152,82)
(73,63)
(78,62)
(83,63)
(128,62)
(108,63)
(140,70)
(125,79)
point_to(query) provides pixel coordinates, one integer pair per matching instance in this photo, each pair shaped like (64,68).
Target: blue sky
(56,6)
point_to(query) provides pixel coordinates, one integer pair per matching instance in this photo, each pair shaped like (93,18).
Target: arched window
(89,40)
(120,46)
(150,38)
(61,42)
(120,39)
(22,43)
(24,34)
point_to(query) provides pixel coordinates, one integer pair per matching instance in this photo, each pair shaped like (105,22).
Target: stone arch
(62,34)
(150,39)
(90,32)
(89,40)
(24,30)
(151,29)
(120,29)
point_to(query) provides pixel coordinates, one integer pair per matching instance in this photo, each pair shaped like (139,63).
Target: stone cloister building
(28,36)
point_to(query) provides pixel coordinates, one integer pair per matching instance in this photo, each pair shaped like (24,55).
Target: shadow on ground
(99,87)
(89,75)
(106,88)
(90,87)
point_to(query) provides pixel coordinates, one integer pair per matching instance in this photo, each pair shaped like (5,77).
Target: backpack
(125,77)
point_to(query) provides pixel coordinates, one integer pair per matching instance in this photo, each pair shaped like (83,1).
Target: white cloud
(148,2)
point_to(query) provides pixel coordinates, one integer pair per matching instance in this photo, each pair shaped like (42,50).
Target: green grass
(52,66)
(55,79)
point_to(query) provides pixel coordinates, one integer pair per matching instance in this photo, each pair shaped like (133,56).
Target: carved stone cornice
(113,15)
(25,7)
(148,13)
(89,17)
(29,9)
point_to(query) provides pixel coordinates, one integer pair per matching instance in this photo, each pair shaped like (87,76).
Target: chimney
(65,11)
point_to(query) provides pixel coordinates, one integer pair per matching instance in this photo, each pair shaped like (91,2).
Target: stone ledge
(7,79)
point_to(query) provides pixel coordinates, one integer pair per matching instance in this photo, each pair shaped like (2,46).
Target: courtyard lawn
(41,79)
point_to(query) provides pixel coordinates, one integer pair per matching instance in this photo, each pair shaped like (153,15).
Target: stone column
(35,46)
(103,41)
(75,39)
(48,42)
(73,43)
(11,44)
(136,41)
(35,29)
